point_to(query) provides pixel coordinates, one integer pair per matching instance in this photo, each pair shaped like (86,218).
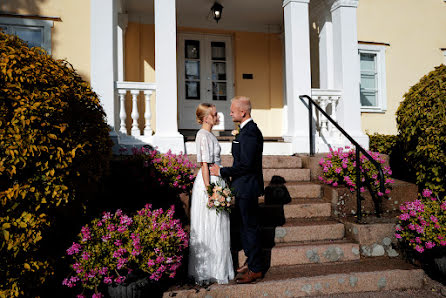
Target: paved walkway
(432,288)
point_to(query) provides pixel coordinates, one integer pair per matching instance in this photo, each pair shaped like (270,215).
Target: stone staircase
(308,249)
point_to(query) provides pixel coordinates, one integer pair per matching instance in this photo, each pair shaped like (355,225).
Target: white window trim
(444,52)
(380,51)
(46,25)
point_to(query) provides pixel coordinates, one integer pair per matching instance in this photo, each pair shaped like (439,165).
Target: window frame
(381,97)
(46,26)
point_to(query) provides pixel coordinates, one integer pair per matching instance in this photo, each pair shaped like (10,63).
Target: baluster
(147,114)
(324,120)
(135,114)
(122,112)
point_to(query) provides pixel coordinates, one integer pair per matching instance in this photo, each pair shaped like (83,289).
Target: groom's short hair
(244,103)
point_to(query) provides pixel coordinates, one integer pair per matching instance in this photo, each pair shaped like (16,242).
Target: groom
(247,182)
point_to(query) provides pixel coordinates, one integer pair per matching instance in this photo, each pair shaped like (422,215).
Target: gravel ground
(431,288)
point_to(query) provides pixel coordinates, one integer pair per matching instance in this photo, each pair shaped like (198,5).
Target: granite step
(297,208)
(296,253)
(365,275)
(268,161)
(313,229)
(301,189)
(288,174)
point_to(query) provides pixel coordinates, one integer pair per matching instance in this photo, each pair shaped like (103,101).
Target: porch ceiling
(245,15)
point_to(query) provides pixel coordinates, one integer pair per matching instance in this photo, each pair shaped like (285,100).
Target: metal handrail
(359,149)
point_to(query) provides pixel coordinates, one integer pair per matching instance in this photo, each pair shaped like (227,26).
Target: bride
(210,257)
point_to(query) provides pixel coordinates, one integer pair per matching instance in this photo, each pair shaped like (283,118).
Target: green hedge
(53,140)
(421,119)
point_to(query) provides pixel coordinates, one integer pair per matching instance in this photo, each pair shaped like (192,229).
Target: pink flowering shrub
(168,169)
(422,223)
(111,247)
(339,168)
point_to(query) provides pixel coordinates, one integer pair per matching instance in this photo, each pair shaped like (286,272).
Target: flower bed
(422,224)
(339,168)
(110,248)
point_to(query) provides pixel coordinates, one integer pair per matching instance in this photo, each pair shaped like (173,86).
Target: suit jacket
(246,171)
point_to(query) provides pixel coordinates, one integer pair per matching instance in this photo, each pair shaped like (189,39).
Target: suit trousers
(250,232)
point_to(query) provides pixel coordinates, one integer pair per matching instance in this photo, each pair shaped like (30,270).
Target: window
(36,32)
(373,78)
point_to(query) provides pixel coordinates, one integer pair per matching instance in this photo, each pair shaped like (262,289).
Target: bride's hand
(215,170)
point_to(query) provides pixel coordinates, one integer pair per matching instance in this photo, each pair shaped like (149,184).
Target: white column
(326,53)
(104,20)
(298,72)
(166,136)
(346,67)
(122,26)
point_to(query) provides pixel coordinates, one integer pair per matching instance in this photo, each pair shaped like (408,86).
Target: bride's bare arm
(205,173)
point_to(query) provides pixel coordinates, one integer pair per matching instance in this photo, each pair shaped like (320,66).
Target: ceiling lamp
(217,10)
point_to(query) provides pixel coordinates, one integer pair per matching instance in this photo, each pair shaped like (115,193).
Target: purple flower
(427,193)
(85,255)
(118,242)
(80,296)
(404,216)
(433,218)
(150,263)
(120,279)
(85,233)
(420,249)
(398,236)
(419,229)
(430,244)
(75,248)
(108,280)
(97,295)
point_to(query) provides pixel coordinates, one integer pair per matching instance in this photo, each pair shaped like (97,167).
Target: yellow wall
(70,36)
(415,30)
(256,53)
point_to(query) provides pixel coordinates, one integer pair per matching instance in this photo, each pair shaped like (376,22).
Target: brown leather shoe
(243,269)
(249,277)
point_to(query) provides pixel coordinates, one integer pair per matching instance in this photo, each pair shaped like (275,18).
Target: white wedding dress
(210,257)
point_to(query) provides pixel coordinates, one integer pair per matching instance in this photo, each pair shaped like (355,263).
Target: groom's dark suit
(247,182)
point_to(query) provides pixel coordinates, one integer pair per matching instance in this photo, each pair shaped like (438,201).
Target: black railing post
(358,184)
(310,123)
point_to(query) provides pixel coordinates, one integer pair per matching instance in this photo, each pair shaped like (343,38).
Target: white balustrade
(135,89)
(327,133)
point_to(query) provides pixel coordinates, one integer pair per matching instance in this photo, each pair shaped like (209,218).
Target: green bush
(421,119)
(53,139)
(381,143)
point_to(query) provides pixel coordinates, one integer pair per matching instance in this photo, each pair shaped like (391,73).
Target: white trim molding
(45,25)
(444,51)
(286,2)
(344,3)
(381,96)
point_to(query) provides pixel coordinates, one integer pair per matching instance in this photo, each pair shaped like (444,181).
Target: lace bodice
(208,148)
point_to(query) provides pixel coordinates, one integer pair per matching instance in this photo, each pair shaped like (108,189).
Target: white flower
(228,199)
(216,203)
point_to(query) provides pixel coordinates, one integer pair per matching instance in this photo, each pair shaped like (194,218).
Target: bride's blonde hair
(202,111)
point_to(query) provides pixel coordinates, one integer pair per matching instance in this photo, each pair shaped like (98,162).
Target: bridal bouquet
(220,198)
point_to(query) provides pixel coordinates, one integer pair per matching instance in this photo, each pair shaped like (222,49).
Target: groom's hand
(215,170)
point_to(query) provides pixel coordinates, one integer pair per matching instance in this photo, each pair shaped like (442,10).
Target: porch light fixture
(217,10)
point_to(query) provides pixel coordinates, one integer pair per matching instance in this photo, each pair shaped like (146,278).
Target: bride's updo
(203,110)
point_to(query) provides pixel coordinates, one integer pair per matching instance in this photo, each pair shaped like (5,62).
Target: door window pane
(192,70)
(33,36)
(218,91)
(192,90)
(218,71)
(218,50)
(192,49)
